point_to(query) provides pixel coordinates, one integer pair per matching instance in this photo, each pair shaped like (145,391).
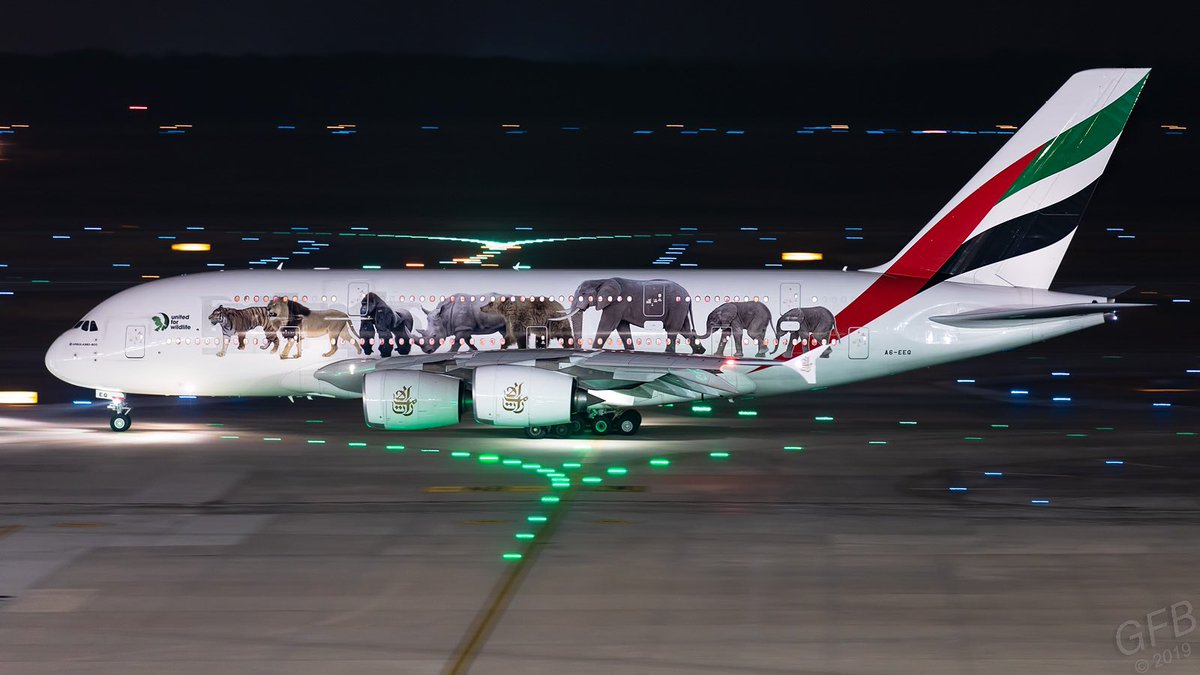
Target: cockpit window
(79,324)
(89,326)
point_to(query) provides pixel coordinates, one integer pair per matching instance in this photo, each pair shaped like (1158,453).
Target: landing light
(18,397)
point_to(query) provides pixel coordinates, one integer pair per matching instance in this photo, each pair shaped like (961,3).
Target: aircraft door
(536,337)
(859,343)
(789,297)
(354,296)
(135,341)
(654,299)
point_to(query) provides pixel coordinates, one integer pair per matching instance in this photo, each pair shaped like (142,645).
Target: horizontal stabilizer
(981,318)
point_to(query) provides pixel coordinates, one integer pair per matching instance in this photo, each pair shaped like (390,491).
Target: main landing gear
(120,420)
(625,423)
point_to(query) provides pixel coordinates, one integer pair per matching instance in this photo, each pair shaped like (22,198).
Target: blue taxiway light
(1161,405)
(1039,501)
(286,127)
(1019,392)
(993,474)
(1062,399)
(958,489)
(1060,373)
(1114,461)
(81,402)
(965,381)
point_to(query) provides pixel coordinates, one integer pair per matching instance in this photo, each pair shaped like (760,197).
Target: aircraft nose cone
(56,358)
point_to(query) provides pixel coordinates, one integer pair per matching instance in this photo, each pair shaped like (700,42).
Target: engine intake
(521,396)
(407,400)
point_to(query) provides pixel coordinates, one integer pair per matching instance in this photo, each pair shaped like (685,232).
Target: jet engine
(407,400)
(523,396)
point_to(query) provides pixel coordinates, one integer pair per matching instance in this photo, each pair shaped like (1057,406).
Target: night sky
(610,31)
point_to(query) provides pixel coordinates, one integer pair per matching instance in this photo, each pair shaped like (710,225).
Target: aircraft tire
(120,422)
(602,425)
(562,430)
(536,432)
(628,423)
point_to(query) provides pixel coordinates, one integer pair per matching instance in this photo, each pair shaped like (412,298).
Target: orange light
(150,276)
(414,264)
(839,126)
(193,247)
(18,397)
(802,256)
(1007,127)
(138,107)
(510,126)
(674,126)
(1168,127)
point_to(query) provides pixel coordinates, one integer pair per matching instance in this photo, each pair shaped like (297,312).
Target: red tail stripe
(909,273)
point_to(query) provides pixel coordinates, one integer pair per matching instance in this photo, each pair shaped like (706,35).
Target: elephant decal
(635,302)
(459,317)
(816,324)
(519,315)
(392,326)
(735,317)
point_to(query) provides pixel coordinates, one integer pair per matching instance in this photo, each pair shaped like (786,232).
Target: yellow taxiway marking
(484,488)
(6,530)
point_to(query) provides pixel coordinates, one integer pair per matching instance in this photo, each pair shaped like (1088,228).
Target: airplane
(561,352)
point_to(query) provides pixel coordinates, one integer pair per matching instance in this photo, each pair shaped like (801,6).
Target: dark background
(236,73)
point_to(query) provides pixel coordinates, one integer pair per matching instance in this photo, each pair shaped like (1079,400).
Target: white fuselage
(156,338)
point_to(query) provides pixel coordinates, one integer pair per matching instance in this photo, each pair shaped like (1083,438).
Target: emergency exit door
(789,297)
(135,341)
(354,296)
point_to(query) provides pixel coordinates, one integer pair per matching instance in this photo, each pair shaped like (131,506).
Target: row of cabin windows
(493,298)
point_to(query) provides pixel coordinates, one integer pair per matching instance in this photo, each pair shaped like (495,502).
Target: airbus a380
(558,352)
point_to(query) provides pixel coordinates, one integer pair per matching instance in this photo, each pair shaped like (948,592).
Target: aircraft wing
(1007,316)
(639,374)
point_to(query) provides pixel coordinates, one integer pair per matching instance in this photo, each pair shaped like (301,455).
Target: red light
(731,362)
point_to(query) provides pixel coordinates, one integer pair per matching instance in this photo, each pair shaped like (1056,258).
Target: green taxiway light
(316,441)
(702,408)
(356,444)
(876,442)
(793,448)
(489,459)
(999,426)
(748,413)
(232,437)
(560,485)
(972,438)
(1104,428)
(908,423)
(546,470)
(1185,433)
(216,424)
(550,499)
(719,455)
(512,556)
(430,450)
(823,418)
(272,438)
(511,462)
(572,465)
(314,421)
(660,461)
(1076,435)
(524,535)
(593,480)
(617,471)
(393,448)
(460,454)
(536,519)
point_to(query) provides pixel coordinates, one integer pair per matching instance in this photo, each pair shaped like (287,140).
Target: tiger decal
(241,321)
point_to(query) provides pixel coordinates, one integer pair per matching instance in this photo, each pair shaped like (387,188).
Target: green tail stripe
(1080,141)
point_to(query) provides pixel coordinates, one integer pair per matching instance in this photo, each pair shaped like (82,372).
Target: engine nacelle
(407,400)
(522,396)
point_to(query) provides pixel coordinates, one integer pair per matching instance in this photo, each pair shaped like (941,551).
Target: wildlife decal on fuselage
(662,308)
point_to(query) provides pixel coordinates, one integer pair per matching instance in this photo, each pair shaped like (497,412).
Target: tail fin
(1011,224)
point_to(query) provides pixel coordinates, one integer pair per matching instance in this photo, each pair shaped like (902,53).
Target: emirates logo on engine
(403,402)
(514,402)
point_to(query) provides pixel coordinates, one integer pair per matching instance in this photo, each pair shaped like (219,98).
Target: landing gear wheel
(601,425)
(576,427)
(562,430)
(629,422)
(536,432)
(119,422)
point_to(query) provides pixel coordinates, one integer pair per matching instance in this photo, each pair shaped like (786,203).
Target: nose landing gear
(120,420)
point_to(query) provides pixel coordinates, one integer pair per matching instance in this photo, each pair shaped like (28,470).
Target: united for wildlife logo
(161,321)
(403,402)
(514,402)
